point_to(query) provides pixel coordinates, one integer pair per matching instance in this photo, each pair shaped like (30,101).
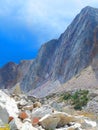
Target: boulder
(29,107)
(89,124)
(6,102)
(75,126)
(28,113)
(15,124)
(37,104)
(57,106)
(27,126)
(40,128)
(23,115)
(4,115)
(22,102)
(92,106)
(35,121)
(56,119)
(1,123)
(49,122)
(10,119)
(42,111)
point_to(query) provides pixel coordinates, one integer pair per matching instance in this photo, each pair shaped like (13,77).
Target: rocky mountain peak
(61,59)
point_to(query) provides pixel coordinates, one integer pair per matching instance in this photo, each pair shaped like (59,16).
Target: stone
(22,102)
(56,119)
(35,121)
(6,102)
(4,115)
(89,124)
(1,122)
(28,126)
(92,106)
(49,122)
(10,119)
(42,111)
(57,106)
(37,104)
(29,107)
(15,124)
(23,115)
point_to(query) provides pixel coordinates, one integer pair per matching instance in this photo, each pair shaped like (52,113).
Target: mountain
(60,59)
(65,57)
(13,73)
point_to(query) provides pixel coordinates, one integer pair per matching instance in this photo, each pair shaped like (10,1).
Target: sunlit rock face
(63,58)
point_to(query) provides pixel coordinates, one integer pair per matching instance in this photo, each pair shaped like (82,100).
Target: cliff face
(61,59)
(12,73)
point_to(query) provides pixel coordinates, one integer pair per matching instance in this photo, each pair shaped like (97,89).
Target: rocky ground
(28,113)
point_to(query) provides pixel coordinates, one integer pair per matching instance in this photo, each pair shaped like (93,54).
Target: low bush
(78,99)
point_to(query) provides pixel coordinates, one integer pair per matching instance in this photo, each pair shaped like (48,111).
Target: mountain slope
(63,58)
(60,59)
(13,73)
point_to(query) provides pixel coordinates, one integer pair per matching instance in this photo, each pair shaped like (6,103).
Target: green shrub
(66,96)
(78,99)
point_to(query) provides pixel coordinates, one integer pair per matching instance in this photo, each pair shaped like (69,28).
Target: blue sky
(26,24)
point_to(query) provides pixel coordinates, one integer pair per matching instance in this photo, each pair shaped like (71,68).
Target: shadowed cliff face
(63,58)
(12,73)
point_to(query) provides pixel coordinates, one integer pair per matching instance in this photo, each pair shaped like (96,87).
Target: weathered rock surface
(9,104)
(65,57)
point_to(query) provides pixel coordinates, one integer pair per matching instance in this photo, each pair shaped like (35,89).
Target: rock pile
(23,114)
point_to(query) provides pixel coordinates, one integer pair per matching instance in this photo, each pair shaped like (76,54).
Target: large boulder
(49,122)
(4,115)
(56,119)
(8,107)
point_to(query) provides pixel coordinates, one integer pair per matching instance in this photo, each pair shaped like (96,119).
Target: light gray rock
(8,107)
(42,111)
(28,126)
(22,102)
(4,115)
(56,119)
(15,124)
(92,106)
